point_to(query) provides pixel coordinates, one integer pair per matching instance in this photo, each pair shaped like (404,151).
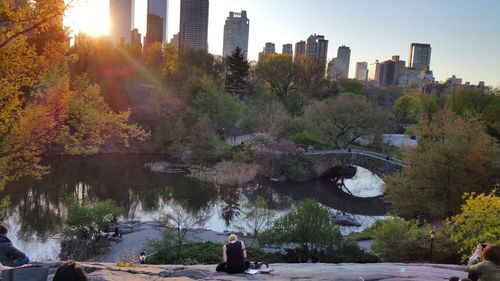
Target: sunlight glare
(88,16)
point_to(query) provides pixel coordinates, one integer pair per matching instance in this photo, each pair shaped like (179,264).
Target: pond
(38,208)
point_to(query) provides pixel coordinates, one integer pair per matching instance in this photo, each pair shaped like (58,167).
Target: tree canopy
(454,155)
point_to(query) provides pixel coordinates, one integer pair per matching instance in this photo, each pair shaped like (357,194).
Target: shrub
(88,220)
(478,222)
(309,225)
(306,139)
(397,240)
(166,251)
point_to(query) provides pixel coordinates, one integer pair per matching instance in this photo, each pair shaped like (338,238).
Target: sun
(88,16)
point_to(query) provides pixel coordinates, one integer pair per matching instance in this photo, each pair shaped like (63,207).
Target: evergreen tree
(237,73)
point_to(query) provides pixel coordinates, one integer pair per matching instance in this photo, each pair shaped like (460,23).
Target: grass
(228,173)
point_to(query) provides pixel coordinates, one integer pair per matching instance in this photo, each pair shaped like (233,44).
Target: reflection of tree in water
(96,178)
(338,174)
(234,198)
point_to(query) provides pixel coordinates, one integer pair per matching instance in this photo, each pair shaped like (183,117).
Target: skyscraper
(268,49)
(317,47)
(374,72)
(236,31)
(391,71)
(338,68)
(361,71)
(420,55)
(287,50)
(300,49)
(121,13)
(157,22)
(193,29)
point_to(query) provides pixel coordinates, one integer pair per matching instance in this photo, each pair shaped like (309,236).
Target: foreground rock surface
(304,271)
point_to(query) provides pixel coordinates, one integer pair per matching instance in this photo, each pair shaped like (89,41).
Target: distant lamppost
(433,235)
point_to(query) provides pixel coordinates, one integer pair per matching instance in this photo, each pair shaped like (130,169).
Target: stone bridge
(377,163)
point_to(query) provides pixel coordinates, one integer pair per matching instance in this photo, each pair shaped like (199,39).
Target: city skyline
(373,30)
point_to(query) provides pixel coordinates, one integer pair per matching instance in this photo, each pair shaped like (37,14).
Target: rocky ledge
(304,271)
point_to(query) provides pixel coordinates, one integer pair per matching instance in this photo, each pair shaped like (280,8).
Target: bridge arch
(377,163)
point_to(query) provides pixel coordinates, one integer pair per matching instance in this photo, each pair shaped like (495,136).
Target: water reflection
(37,210)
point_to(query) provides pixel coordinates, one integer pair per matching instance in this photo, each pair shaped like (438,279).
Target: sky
(464,35)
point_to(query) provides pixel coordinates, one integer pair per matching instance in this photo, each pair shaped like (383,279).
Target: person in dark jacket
(233,255)
(70,271)
(10,255)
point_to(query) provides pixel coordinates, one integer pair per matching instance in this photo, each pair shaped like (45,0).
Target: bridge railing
(377,155)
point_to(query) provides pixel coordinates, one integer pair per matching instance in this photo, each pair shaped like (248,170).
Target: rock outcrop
(303,271)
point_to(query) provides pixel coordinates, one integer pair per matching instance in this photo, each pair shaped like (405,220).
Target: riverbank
(138,233)
(298,271)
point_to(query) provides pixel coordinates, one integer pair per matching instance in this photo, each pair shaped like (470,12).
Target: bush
(167,252)
(87,220)
(82,249)
(478,222)
(309,225)
(397,240)
(306,139)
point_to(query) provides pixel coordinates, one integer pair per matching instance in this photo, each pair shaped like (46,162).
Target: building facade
(361,71)
(236,30)
(287,50)
(121,14)
(420,56)
(374,73)
(157,22)
(338,68)
(317,48)
(300,50)
(193,28)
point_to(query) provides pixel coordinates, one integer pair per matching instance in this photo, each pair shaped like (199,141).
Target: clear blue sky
(464,34)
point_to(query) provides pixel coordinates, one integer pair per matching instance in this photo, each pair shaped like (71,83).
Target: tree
(27,18)
(486,106)
(88,220)
(309,225)
(453,156)
(90,123)
(407,108)
(352,86)
(218,105)
(477,222)
(182,221)
(345,119)
(397,240)
(237,73)
(278,73)
(311,77)
(256,217)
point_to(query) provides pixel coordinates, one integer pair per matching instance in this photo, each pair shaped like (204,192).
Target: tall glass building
(193,29)
(420,56)
(122,20)
(157,22)
(236,31)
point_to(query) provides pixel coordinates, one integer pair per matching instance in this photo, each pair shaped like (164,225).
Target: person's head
(70,271)
(3,229)
(232,237)
(454,278)
(492,253)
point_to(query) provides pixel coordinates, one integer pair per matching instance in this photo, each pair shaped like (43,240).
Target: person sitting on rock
(10,255)
(233,255)
(489,268)
(70,271)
